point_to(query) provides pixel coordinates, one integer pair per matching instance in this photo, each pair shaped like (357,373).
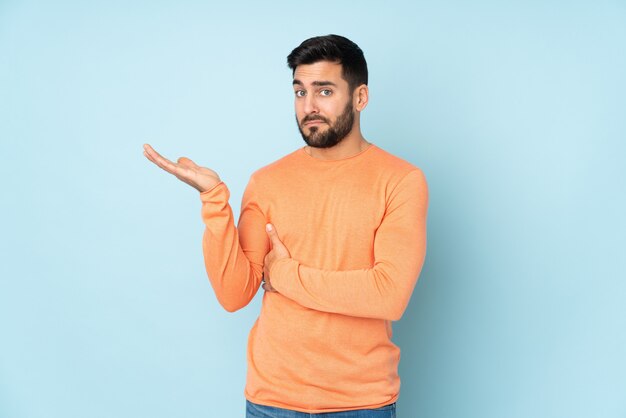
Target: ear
(361,97)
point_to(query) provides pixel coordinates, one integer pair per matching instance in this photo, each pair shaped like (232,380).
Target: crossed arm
(382,291)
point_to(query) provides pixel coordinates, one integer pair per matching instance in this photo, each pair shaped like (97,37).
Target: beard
(335,133)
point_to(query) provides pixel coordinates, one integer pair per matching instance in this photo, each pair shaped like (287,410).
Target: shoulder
(403,182)
(394,169)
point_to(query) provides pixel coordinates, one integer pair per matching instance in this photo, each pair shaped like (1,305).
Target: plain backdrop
(515,111)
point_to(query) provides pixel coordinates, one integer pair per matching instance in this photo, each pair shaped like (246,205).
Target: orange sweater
(356,231)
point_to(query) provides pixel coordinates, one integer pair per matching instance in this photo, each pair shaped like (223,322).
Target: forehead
(319,71)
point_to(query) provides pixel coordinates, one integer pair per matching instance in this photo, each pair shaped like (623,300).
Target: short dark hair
(332,48)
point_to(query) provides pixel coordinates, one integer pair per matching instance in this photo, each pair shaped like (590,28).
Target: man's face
(324,107)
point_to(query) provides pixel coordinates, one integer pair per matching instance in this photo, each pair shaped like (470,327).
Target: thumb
(273,234)
(186,162)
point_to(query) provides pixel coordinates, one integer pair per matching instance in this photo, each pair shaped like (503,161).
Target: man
(336,234)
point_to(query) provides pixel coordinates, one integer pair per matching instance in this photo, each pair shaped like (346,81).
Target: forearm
(381,292)
(234,278)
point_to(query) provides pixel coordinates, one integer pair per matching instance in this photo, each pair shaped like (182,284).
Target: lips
(313,121)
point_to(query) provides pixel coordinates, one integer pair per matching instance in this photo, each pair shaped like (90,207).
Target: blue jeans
(254,410)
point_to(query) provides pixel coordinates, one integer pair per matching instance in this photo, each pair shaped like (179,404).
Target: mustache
(310,118)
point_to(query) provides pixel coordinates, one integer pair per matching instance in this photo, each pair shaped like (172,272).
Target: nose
(310,105)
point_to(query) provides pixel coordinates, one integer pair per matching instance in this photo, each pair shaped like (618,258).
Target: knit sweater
(356,232)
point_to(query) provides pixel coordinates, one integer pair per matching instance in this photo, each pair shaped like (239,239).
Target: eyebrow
(315,83)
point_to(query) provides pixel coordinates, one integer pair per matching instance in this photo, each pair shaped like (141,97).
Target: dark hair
(332,48)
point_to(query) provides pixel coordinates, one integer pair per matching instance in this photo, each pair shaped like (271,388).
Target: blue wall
(514,110)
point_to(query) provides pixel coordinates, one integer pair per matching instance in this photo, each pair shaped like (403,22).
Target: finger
(148,148)
(151,158)
(273,234)
(152,155)
(268,287)
(161,161)
(148,156)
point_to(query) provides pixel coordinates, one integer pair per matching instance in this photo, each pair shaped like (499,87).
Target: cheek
(333,109)
(299,111)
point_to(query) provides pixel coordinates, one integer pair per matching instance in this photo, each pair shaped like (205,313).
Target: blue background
(514,110)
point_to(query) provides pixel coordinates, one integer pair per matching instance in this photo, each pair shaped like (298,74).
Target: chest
(328,218)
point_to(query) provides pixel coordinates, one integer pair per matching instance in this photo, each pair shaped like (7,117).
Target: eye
(300,93)
(326,92)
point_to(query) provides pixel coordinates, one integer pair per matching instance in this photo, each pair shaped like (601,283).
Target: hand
(184,169)
(278,252)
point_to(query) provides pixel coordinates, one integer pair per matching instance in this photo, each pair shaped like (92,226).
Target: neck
(351,145)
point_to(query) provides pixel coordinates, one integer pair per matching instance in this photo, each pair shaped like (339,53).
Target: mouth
(313,122)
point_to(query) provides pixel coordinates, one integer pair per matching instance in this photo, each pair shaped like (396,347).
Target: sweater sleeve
(233,257)
(382,291)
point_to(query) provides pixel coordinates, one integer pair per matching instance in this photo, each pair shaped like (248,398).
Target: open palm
(201,178)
